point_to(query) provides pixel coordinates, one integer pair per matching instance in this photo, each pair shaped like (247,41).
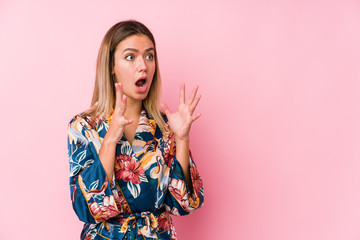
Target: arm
(114,133)
(180,123)
(92,196)
(94,193)
(185,185)
(182,154)
(184,195)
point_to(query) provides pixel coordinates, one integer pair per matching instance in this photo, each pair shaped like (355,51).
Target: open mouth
(141,82)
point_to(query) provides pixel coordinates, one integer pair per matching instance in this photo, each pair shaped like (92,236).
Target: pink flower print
(164,221)
(169,150)
(95,208)
(196,180)
(178,190)
(105,210)
(127,169)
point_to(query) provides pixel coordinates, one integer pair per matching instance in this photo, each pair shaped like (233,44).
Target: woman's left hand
(180,121)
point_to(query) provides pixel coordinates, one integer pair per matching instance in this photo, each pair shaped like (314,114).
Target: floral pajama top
(148,184)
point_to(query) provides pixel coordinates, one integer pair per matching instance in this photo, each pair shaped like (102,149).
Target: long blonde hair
(103,100)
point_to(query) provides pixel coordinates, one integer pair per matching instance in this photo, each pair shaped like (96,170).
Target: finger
(122,107)
(194,117)
(182,93)
(118,94)
(128,121)
(192,95)
(165,109)
(194,104)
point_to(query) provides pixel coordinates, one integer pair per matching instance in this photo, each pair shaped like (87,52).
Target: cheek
(152,72)
(152,69)
(122,73)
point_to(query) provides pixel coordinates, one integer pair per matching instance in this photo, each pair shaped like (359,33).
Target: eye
(129,57)
(150,57)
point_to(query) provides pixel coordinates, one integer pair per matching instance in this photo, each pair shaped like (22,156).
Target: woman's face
(134,66)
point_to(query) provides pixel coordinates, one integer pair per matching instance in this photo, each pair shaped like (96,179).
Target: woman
(130,164)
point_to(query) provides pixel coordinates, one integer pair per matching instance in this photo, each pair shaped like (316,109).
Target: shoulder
(80,122)
(76,131)
(80,117)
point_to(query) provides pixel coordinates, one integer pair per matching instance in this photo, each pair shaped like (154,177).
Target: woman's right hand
(114,133)
(118,121)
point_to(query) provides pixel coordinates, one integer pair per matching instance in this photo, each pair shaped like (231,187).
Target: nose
(142,65)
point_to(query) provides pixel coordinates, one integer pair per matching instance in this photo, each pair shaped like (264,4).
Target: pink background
(277,145)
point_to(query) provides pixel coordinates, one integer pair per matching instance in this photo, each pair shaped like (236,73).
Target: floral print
(108,208)
(197,182)
(148,183)
(127,169)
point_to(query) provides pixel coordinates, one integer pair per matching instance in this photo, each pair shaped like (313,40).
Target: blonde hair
(103,100)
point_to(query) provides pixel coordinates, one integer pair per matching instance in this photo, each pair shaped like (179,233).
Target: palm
(180,121)
(118,121)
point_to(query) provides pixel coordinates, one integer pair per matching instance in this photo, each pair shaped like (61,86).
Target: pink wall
(278,142)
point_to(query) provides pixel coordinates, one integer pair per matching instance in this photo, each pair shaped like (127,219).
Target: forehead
(139,41)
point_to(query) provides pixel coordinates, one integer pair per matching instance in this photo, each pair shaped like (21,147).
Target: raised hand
(118,121)
(114,133)
(180,121)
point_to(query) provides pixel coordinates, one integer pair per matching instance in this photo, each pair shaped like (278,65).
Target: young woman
(130,163)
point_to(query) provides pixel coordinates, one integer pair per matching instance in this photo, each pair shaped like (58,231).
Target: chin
(140,97)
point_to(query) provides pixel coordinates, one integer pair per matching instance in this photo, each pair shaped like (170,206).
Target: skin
(132,61)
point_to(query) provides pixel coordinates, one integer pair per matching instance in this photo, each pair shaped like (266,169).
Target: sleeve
(93,199)
(179,199)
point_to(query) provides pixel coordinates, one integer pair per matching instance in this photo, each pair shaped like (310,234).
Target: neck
(133,108)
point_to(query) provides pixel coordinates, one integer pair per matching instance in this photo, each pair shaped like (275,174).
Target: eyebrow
(135,50)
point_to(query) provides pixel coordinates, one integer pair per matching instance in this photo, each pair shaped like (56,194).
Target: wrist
(184,139)
(109,139)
